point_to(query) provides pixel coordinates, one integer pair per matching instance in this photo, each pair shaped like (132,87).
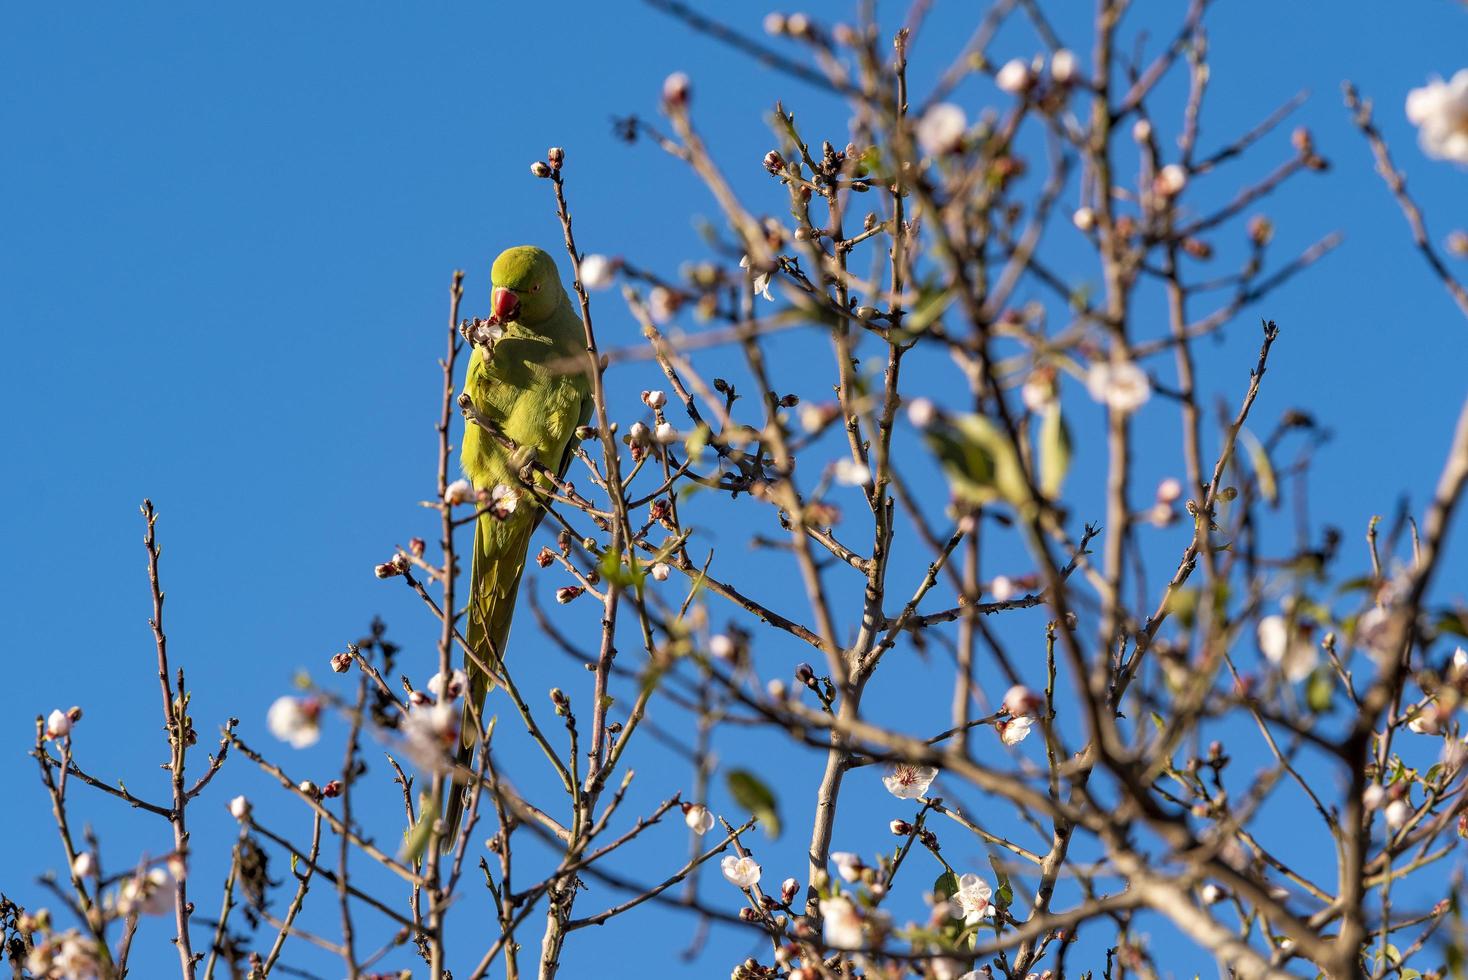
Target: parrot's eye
(536,289)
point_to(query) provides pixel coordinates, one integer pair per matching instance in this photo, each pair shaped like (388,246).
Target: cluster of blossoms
(1439,110)
(1021,704)
(295,720)
(65,955)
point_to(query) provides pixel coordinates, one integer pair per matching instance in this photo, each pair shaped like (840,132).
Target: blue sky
(228,242)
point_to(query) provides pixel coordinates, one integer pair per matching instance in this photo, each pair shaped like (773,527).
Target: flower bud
(900,827)
(568,593)
(341,663)
(789,888)
(676,89)
(58,724)
(1063,66)
(332,789)
(540,169)
(1014,77)
(775,163)
(555,156)
(1084,219)
(310,789)
(1170,180)
(1261,230)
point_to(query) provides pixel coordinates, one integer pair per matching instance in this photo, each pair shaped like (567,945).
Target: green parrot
(522,386)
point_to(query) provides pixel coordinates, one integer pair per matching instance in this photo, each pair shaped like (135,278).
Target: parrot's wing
(569,453)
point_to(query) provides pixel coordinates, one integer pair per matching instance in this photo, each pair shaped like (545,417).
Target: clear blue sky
(229,235)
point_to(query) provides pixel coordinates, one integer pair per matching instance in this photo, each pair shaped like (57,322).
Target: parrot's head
(525,285)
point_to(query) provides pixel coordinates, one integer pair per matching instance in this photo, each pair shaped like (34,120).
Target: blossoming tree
(1136,679)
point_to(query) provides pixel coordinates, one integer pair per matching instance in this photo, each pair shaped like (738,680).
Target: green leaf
(613,570)
(416,840)
(929,307)
(980,462)
(1320,689)
(1263,468)
(750,792)
(946,886)
(1055,451)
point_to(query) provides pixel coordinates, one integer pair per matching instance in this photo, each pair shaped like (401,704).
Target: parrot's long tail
(495,580)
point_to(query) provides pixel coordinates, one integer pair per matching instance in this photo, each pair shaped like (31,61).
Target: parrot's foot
(523,462)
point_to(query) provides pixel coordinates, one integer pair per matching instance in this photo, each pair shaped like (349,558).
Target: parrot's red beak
(504,303)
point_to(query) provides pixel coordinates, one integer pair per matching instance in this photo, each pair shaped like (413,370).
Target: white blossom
(596,271)
(429,732)
(1084,219)
(1122,386)
(813,417)
(1169,490)
(485,333)
(1454,753)
(1425,722)
(848,865)
(458,492)
(145,894)
(721,646)
(1014,77)
(1142,130)
(972,900)
(660,571)
(1398,812)
(909,782)
(1020,700)
(921,412)
(654,399)
(675,88)
(639,434)
(65,956)
(1439,110)
(662,303)
(1063,66)
(941,129)
(239,808)
(84,865)
(1001,588)
(1015,730)
(741,872)
(1038,391)
(1211,894)
(503,500)
(667,434)
(1171,180)
(295,720)
(1289,649)
(1372,630)
(761,280)
(843,923)
(699,819)
(1459,662)
(852,473)
(458,683)
(1373,795)
(58,724)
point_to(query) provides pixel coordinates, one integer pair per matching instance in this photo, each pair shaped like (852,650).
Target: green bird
(523,387)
